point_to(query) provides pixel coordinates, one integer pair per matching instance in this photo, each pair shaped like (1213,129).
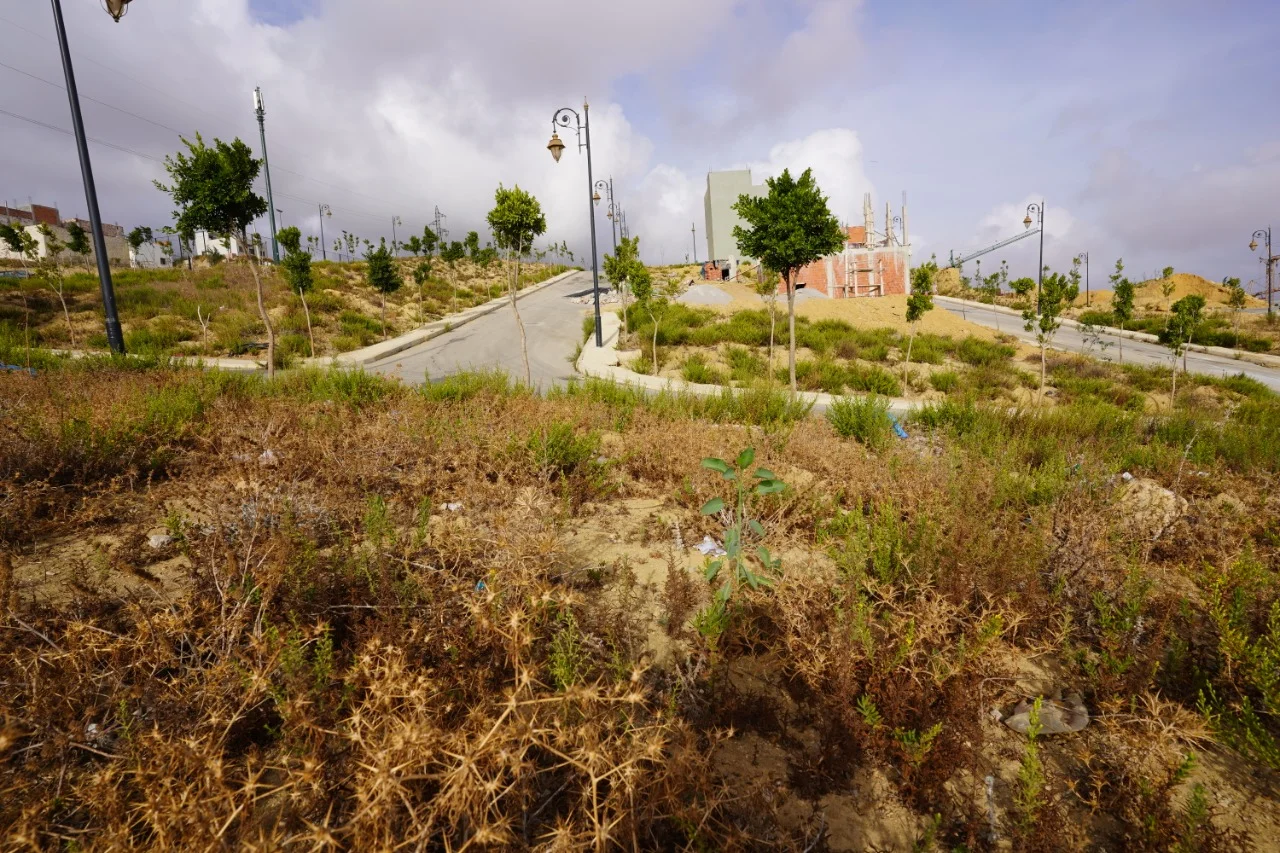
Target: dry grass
(385,637)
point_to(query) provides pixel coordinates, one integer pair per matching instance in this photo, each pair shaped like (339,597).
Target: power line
(154,158)
(176,99)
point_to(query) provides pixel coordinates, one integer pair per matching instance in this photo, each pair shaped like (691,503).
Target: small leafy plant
(737,562)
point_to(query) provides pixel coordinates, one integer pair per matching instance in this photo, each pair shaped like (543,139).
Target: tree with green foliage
(212,189)
(516,221)
(297,270)
(919,303)
(1167,272)
(414,245)
(138,237)
(1023,286)
(1056,293)
(19,240)
(452,253)
(1187,314)
(421,275)
(923,276)
(1236,300)
(486,256)
(78,241)
(382,275)
(472,244)
(653,301)
(352,242)
(620,267)
(1121,301)
(429,240)
(788,229)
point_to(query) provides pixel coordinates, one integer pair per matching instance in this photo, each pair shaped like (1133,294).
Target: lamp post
(1038,210)
(324,211)
(693,229)
(115,337)
(611,210)
(1084,256)
(582,125)
(266,168)
(1270,260)
(395,220)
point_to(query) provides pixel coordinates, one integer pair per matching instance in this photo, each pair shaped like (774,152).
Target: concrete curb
(422,334)
(1260,359)
(603,363)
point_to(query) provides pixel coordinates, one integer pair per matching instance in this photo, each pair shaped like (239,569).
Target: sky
(1148,128)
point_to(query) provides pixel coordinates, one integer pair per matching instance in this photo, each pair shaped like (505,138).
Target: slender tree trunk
(262,311)
(311,338)
(515,309)
(622,292)
(1173,393)
(1042,370)
(911,341)
(791,331)
(773,325)
(654,318)
(1120,339)
(71,332)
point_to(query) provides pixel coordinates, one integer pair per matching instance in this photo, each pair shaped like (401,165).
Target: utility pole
(440,230)
(115,337)
(266,169)
(1084,256)
(693,229)
(324,211)
(395,220)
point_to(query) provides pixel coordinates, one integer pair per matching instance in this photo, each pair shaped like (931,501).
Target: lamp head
(116,8)
(596,198)
(555,146)
(1026,223)
(1253,245)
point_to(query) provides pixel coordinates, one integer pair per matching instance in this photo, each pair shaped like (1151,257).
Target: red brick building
(872,263)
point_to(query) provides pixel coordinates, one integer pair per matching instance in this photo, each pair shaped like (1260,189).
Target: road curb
(603,363)
(1260,359)
(422,334)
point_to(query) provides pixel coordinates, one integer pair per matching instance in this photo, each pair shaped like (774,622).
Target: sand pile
(1149,295)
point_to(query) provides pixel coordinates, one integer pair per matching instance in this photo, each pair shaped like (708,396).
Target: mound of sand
(1149,295)
(705,294)
(866,313)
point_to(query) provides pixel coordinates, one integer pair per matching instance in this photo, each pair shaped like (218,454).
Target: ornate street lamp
(117,9)
(582,125)
(1038,210)
(611,211)
(1084,256)
(115,337)
(1269,260)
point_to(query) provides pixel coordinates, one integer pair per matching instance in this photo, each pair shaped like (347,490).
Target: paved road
(1072,339)
(552,321)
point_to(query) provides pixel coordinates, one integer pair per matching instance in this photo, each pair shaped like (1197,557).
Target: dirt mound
(947,282)
(1150,295)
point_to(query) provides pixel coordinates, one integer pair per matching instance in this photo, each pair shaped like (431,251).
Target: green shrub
(1098,318)
(980,353)
(468,384)
(864,418)
(744,365)
(945,381)
(695,369)
(556,450)
(873,380)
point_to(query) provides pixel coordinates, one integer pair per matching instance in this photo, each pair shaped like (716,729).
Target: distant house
(872,263)
(31,217)
(228,247)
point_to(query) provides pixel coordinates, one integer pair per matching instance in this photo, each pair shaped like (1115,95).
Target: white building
(149,255)
(228,247)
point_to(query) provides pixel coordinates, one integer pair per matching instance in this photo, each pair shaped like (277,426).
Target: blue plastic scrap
(897,427)
(17,368)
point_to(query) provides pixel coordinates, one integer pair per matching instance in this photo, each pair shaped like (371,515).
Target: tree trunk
(773,325)
(1120,339)
(71,332)
(524,342)
(626,326)
(654,318)
(911,341)
(1173,393)
(384,316)
(262,312)
(311,338)
(1042,370)
(791,331)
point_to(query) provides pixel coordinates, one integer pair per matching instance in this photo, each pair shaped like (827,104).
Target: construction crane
(956,262)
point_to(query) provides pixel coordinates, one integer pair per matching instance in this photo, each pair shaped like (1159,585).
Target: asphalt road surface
(1071,339)
(552,322)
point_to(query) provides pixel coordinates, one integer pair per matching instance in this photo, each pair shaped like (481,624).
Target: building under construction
(874,261)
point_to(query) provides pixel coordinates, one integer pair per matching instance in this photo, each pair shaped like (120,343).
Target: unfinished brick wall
(883,271)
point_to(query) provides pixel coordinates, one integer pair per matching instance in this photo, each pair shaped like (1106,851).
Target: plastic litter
(897,427)
(268,459)
(17,368)
(1126,476)
(709,547)
(453,507)
(159,540)
(481,586)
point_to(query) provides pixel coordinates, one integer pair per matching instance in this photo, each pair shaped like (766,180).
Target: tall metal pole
(394,221)
(591,211)
(693,229)
(323,209)
(266,169)
(1040,270)
(115,337)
